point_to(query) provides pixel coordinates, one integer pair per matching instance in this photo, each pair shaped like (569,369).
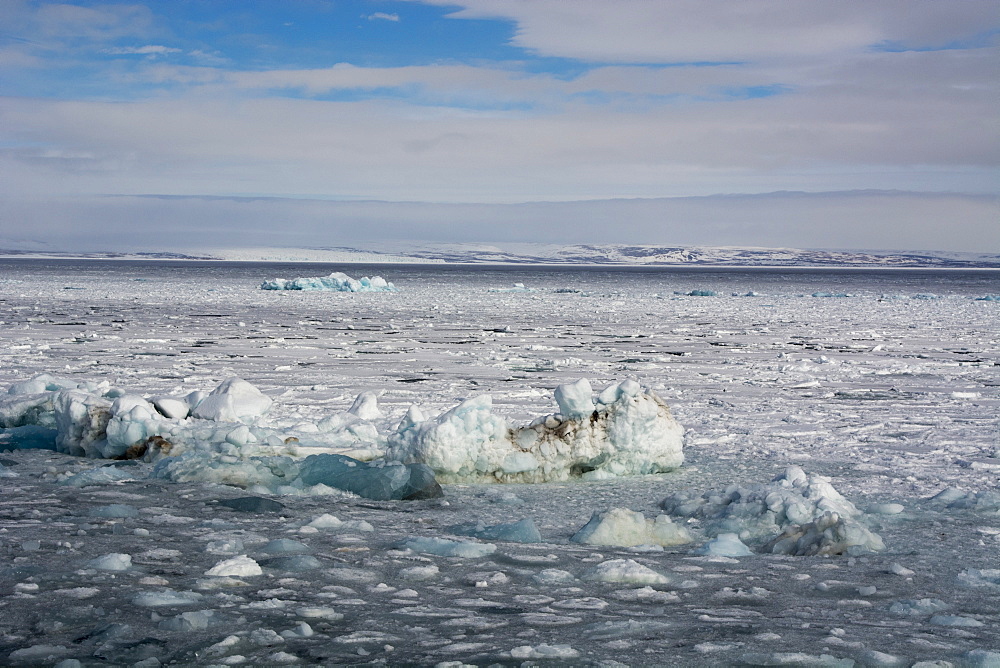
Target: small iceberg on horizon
(335,282)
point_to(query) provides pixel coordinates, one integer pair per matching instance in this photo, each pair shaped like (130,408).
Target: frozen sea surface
(885,382)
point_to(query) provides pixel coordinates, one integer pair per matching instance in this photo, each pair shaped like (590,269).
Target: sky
(185,124)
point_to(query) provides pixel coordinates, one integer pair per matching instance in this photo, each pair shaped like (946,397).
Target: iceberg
(335,282)
(629,431)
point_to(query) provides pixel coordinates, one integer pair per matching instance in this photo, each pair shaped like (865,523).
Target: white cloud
(665,31)
(382,16)
(148,50)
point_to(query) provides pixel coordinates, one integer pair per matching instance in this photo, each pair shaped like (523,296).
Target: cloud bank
(660,102)
(882,220)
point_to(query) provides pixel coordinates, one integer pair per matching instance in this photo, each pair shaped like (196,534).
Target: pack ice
(335,282)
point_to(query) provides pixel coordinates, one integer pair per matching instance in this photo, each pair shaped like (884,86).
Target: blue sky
(483,103)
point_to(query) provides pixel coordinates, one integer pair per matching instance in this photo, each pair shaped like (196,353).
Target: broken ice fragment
(381,481)
(449,548)
(626,528)
(625,571)
(724,545)
(524,531)
(234,400)
(241,566)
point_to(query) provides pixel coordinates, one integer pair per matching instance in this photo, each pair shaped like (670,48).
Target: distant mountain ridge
(657,255)
(556,254)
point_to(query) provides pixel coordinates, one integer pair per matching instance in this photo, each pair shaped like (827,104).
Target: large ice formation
(335,282)
(97,420)
(225,436)
(624,430)
(796,514)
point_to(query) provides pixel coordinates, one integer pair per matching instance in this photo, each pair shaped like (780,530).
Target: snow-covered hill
(582,254)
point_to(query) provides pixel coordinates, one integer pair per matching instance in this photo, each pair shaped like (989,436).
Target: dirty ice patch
(335,282)
(629,431)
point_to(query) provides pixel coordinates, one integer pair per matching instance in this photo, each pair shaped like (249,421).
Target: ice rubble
(623,430)
(626,528)
(222,436)
(335,282)
(796,514)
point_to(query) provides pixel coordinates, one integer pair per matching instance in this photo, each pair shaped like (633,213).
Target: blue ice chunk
(380,481)
(524,531)
(284,546)
(988,298)
(724,545)
(697,293)
(443,547)
(115,510)
(293,563)
(102,475)
(830,294)
(28,437)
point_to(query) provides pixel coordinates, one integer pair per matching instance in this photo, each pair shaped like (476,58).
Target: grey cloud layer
(881,220)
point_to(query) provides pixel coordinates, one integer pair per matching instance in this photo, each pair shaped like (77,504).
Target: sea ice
(443,547)
(980,577)
(625,571)
(724,545)
(796,514)
(630,431)
(234,400)
(112,562)
(523,531)
(918,607)
(626,528)
(829,534)
(378,480)
(335,282)
(240,566)
(544,652)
